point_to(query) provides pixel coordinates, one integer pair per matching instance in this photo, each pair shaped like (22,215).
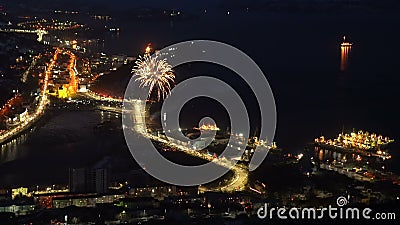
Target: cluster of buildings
(16,201)
(88,188)
(13,116)
(63,81)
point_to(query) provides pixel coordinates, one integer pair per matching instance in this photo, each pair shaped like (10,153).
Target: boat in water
(346,43)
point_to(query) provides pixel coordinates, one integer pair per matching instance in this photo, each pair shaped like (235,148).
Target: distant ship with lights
(208,127)
(345,51)
(363,143)
(345,43)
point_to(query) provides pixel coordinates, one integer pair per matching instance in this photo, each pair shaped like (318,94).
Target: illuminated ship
(362,143)
(345,50)
(345,43)
(208,127)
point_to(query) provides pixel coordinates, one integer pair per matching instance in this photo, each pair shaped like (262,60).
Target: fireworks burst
(154,73)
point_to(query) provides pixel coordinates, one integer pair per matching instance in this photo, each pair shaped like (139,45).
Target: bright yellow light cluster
(361,140)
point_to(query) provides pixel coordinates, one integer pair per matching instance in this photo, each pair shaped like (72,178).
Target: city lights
(34,116)
(215,87)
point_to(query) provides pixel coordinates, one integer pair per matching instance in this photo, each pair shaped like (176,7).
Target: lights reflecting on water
(12,150)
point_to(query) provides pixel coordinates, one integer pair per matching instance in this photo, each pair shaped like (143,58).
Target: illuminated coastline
(34,116)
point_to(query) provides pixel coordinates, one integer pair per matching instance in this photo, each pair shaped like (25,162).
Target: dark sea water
(300,55)
(61,140)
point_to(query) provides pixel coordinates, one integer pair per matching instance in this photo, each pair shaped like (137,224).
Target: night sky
(195,5)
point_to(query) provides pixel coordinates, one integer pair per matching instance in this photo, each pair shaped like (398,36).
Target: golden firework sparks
(154,73)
